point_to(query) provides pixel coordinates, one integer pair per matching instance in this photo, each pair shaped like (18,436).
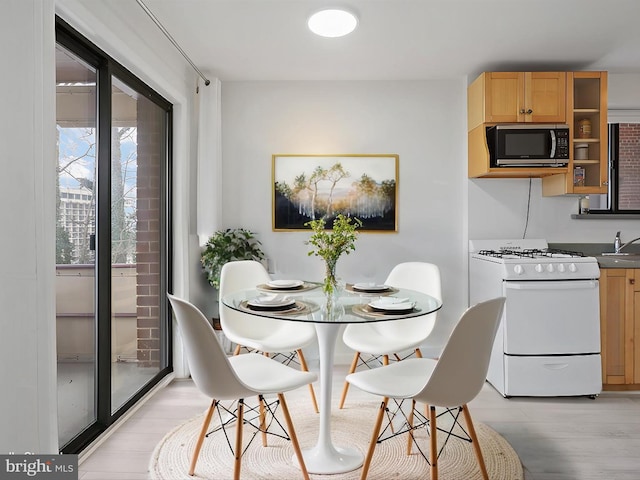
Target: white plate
(370,287)
(285,283)
(274,301)
(392,304)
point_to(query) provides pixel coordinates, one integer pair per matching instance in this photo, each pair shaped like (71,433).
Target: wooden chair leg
(374,439)
(474,440)
(385,361)
(236,351)
(418,353)
(263,422)
(238,449)
(345,388)
(293,436)
(303,367)
(433,442)
(410,421)
(203,432)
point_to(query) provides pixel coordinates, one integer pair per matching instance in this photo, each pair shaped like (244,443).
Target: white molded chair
(451,382)
(234,378)
(382,339)
(261,334)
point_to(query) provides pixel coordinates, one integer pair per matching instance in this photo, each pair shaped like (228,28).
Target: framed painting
(309,187)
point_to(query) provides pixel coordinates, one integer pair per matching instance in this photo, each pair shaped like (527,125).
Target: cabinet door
(545,97)
(504,97)
(633,282)
(518,97)
(613,286)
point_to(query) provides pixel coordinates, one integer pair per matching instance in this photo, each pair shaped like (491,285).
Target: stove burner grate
(529,253)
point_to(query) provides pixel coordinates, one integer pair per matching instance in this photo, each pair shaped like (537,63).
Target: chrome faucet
(618,246)
(617,243)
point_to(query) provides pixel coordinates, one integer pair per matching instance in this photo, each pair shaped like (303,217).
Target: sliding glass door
(113,333)
(75,255)
(138,149)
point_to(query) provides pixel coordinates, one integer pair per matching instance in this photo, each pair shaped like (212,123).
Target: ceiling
(257,40)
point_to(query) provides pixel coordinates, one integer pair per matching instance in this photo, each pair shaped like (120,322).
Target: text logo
(38,467)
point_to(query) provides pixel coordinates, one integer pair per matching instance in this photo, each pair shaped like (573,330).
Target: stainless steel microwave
(528,145)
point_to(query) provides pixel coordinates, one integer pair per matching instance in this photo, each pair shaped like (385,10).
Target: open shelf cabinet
(587,173)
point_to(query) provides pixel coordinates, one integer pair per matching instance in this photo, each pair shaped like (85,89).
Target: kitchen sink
(621,254)
(619,260)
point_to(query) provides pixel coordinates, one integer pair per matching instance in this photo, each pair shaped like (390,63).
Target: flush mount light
(332,23)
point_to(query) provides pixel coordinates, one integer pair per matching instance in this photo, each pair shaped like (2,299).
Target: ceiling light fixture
(332,23)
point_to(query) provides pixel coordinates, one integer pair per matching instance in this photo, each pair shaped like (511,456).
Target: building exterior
(77,217)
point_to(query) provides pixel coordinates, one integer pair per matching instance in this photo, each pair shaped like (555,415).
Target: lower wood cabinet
(620,328)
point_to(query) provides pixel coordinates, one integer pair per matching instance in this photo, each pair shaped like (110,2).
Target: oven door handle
(554,285)
(556,366)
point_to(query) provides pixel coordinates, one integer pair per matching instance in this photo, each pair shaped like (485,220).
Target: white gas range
(548,343)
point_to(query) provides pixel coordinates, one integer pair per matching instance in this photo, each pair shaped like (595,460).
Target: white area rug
(351,426)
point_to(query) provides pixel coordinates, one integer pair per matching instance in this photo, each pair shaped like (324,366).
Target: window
(624,172)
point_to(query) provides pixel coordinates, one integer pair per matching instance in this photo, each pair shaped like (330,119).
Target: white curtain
(209,197)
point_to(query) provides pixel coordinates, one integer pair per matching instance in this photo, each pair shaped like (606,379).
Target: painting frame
(312,186)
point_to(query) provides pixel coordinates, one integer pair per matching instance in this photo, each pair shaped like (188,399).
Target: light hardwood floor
(556,438)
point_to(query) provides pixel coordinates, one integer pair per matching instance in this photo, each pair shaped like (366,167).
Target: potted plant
(226,246)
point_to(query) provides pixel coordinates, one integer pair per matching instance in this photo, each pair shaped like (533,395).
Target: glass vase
(332,309)
(330,281)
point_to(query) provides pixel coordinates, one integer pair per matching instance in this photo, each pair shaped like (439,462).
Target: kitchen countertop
(618,261)
(605,261)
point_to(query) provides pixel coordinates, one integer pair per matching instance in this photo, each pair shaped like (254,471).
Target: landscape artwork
(310,187)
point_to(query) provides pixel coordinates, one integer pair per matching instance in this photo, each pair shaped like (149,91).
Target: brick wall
(629,166)
(150,162)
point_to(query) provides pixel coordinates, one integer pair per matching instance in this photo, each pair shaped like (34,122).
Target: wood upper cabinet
(620,328)
(517,97)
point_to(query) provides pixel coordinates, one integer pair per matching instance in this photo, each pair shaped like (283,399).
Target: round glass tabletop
(356,303)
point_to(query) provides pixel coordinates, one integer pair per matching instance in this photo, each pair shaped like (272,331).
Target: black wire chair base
(371,360)
(228,416)
(392,429)
(289,358)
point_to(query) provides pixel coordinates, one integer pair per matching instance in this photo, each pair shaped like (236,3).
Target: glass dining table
(307,303)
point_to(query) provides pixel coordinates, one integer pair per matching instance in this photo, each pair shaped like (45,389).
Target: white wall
(624,91)
(27,256)
(423,122)
(498,209)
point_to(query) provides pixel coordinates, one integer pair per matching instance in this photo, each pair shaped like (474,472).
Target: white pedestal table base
(326,458)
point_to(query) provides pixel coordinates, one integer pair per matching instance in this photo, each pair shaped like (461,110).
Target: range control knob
(518,269)
(561,268)
(550,268)
(572,267)
(539,268)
